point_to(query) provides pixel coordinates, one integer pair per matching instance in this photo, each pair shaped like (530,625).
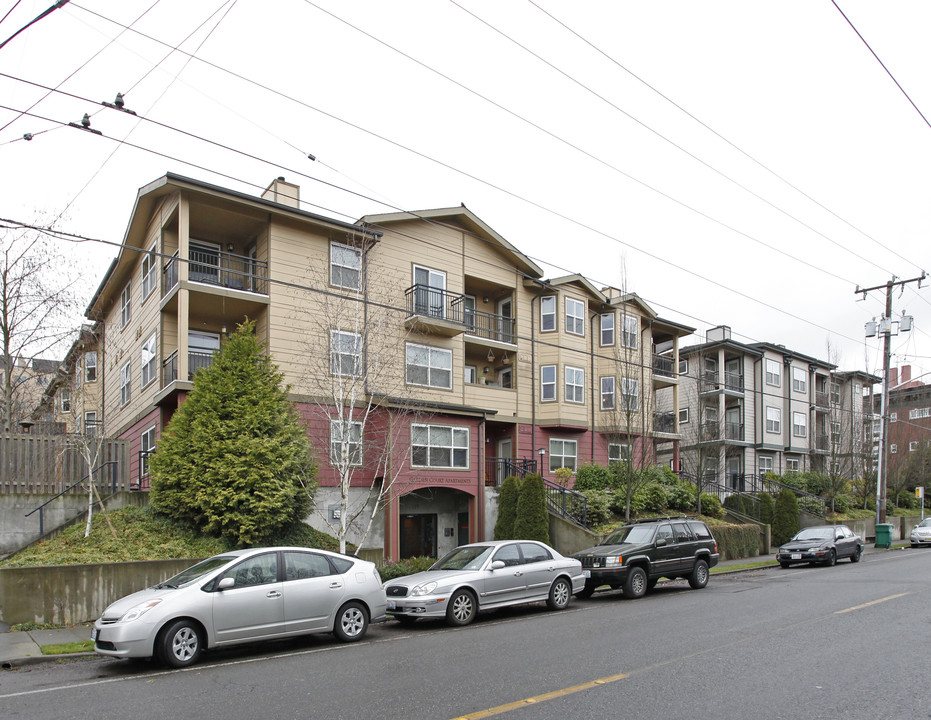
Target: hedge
(737,541)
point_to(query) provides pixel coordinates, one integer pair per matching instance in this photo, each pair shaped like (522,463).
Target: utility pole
(885,328)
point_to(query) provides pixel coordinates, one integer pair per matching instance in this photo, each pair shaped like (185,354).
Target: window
(684,367)
(563,453)
(575,316)
(893,448)
(345,443)
(506,378)
(429,292)
(773,373)
(146,447)
(149,270)
(304,565)
(683,415)
(792,464)
(124,384)
(575,384)
(607,329)
(90,423)
(429,366)
(618,452)
(835,431)
(125,305)
(835,394)
(857,389)
(547,383)
(345,353)
(630,389)
(919,413)
(799,424)
(799,380)
(548,313)
(439,446)
(913,446)
(90,366)
(773,420)
(470,374)
(78,372)
(64,396)
(766,463)
(149,361)
(893,417)
(607,393)
(630,331)
(345,266)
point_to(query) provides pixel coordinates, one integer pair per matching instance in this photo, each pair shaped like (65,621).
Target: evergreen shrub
(785,517)
(533,520)
(507,508)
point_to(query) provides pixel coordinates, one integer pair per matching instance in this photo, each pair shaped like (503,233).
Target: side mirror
(497,564)
(660,542)
(226,583)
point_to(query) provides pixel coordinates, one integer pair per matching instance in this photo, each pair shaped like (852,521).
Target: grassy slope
(140,535)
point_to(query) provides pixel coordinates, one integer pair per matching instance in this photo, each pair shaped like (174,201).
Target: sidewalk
(24,648)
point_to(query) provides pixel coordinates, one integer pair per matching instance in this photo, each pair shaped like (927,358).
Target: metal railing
(142,482)
(170,275)
(223,269)
(195,361)
(734,381)
(427,301)
(566,503)
(822,399)
(113,464)
(733,431)
(750,484)
(500,468)
(664,422)
(663,365)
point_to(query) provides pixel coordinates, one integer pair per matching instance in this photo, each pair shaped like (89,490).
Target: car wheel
(831,559)
(405,620)
(560,594)
(461,609)
(856,554)
(784,565)
(586,592)
(636,585)
(351,622)
(699,577)
(180,644)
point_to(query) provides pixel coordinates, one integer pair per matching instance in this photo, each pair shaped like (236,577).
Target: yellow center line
(872,602)
(541,698)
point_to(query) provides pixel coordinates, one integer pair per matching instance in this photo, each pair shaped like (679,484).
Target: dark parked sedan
(824,544)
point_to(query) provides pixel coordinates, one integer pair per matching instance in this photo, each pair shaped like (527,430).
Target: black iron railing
(663,365)
(431,302)
(566,503)
(100,483)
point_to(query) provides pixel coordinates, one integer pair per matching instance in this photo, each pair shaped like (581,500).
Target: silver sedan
(483,576)
(243,596)
(921,534)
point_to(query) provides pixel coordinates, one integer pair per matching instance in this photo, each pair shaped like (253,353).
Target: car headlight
(424,589)
(614,561)
(138,611)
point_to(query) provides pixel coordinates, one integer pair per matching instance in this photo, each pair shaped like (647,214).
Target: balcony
(710,430)
(663,365)
(441,312)
(733,382)
(664,422)
(220,269)
(195,361)
(822,442)
(733,431)
(822,399)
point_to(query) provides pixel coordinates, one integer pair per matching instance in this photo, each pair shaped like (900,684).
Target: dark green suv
(635,556)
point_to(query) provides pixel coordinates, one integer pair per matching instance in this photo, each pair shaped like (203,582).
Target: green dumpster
(883,535)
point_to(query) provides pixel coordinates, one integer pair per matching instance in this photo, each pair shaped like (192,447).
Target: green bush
(652,498)
(507,508)
(737,541)
(533,520)
(785,517)
(811,505)
(391,570)
(598,505)
(711,505)
(592,477)
(841,504)
(681,496)
(767,508)
(817,483)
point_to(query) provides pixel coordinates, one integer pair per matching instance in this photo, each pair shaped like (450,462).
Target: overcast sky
(740,163)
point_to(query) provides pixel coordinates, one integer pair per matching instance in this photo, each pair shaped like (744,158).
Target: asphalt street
(805,642)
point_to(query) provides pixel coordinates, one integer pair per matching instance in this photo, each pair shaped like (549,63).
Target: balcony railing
(664,422)
(822,399)
(499,468)
(822,442)
(733,431)
(710,430)
(170,275)
(195,361)
(431,302)
(663,365)
(734,381)
(219,268)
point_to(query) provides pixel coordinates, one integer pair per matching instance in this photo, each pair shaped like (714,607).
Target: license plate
(586,573)
(391,605)
(796,556)
(94,635)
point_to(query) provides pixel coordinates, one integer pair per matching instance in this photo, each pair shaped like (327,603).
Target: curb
(13,663)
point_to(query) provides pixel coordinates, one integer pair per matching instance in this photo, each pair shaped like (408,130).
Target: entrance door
(463,538)
(735,479)
(505,315)
(502,467)
(418,536)
(430,292)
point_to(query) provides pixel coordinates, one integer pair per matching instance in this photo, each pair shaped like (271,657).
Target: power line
(45,13)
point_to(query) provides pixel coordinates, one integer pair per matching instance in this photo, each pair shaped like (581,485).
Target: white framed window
(799,424)
(857,389)
(345,443)
(429,366)
(630,390)
(149,360)
(439,446)
(125,384)
(429,292)
(90,366)
(835,393)
(64,399)
(607,393)
(792,464)
(607,329)
(893,417)
(345,353)
(683,415)
(575,384)
(799,380)
(90,423)
(575,316)
(913,446)
(149,272)
(547,383)
(773,373)
(919,413)
(126,305)
(773,420)
(618,452)
(835,431)
(563,454)
(147,447)
(766,463)
(893,448)
(506,378)
(684,367)
(79,372)
(345,266)
(470,374)
(630,331)
(548,313)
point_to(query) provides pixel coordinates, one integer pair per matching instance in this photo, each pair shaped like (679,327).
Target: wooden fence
(48,464)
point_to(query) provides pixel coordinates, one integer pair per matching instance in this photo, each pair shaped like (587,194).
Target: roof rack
(658,519)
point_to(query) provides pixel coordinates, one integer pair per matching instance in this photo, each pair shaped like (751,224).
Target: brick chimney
(906,374)
(893,377)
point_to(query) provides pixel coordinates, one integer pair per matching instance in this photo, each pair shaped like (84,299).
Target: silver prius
(482,576)
(244,596)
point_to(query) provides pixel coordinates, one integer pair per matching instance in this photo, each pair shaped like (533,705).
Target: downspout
(533,382)
(643,392)
(592,383)
(479,531)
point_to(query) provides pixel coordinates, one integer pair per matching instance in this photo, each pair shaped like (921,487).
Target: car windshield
(197,571)
(815,534)
(630,534)
(925,523)
(464,558)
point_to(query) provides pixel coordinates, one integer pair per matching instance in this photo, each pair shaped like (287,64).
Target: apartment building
(27,379)
(908,448)
(750,409)
(71,401)
(424,351)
